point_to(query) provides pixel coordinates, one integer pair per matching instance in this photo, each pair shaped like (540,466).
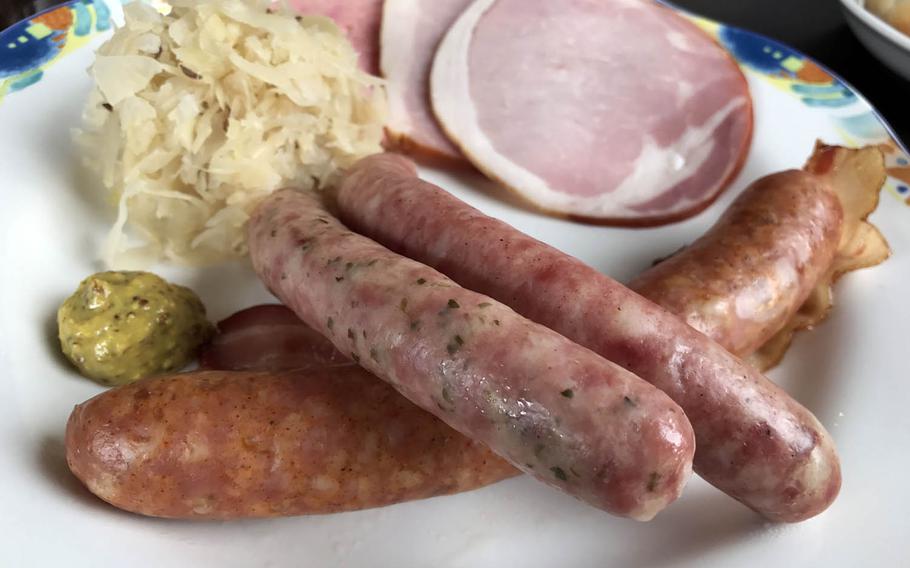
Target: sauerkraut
(198,114)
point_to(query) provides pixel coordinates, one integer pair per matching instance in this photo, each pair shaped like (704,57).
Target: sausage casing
(228,445)
(745,278)
(754,441)
(551,407)
(765,270)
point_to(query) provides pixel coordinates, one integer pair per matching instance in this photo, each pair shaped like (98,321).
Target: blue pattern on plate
(776,59)
(30,46)
(21,51)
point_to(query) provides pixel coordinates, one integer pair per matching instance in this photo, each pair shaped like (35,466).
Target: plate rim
(892,132)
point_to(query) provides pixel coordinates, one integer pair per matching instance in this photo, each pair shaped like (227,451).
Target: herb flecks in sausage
(383,197)
(524,365)
(455,345)
(652,481)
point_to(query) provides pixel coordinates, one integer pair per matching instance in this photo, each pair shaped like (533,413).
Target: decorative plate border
(29,47)
(817,87)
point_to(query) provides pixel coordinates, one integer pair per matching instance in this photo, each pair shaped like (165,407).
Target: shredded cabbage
(198,114)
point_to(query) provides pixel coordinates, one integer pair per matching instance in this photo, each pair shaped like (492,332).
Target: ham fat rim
(673,175)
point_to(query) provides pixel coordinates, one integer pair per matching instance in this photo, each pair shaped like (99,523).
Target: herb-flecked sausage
(549,406)
(754,442)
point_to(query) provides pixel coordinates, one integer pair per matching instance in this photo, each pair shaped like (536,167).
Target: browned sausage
(229,445)
(766,268)
(551,407)
(746,277)
(754,442)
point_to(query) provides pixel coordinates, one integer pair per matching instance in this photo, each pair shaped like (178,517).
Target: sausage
(229,445)
(765,270)
(754,442)
(269,338)
(744,279)
(549,406)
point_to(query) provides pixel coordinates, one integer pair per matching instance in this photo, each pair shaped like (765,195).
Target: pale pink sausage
(551,407)
(754,442)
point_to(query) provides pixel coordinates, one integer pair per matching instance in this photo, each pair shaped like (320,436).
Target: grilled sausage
(744,279)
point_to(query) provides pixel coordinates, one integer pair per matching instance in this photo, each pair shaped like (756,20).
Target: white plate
(850,371)
(884,40)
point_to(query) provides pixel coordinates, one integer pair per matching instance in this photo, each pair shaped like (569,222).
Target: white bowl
(884,41)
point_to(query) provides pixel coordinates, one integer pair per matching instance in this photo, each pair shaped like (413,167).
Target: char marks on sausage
(754,441)
(552,408)
(614,111)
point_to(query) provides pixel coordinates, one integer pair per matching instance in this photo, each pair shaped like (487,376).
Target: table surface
(815,27)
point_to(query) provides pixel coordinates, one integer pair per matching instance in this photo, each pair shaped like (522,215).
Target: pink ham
(360,20)
(411,31)
(613,111)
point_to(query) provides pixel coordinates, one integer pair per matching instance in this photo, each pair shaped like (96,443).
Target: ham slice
(613,111)
(411,31)
(360,20)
